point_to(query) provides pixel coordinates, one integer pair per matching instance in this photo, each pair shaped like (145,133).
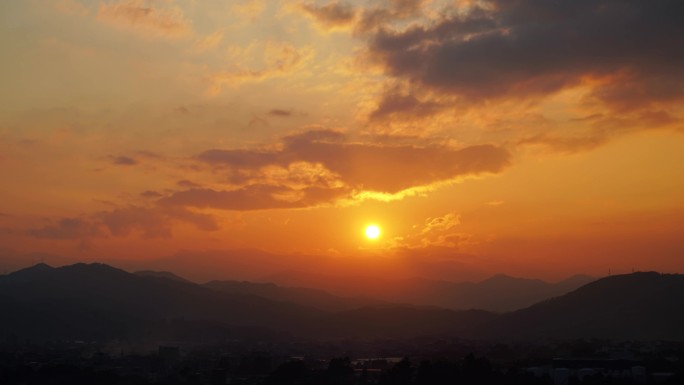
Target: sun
(372,231)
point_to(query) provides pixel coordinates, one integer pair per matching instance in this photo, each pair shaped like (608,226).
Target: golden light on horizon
(372,232)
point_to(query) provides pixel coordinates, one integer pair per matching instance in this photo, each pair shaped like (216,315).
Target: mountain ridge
(97,301)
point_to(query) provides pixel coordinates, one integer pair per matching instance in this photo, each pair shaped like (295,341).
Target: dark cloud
(565,143)
(533,47)
(153,222)
(332,14)
(601,129)
(68,228)
(322,166)
(150,194)
(124,161)
(181,110)
(372,19)
(149,154)
(186,183)
(392,169)
(395,103)
(239,158)
(280,113)
(255,197)
(257,121)
(363,20)
(407,7)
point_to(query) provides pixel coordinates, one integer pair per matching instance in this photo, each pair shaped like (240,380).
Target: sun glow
(372,232)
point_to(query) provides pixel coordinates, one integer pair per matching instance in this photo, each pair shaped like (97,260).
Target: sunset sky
(527,137)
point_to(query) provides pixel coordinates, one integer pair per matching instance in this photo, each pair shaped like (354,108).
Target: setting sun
(372,232)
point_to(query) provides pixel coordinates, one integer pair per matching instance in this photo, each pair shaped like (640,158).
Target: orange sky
(530,138)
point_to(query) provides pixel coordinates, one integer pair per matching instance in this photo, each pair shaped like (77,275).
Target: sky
(527,137)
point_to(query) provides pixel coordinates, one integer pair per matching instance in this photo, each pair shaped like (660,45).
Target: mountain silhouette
(644,306)
(318,299)
(93,301)
(99,302)
(160,274)
(500,293)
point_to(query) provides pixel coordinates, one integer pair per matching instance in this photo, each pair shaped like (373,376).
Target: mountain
(638,306)
(318,299)
(500,293)
(503,293)
(160,274)
(99,302)
(95,301)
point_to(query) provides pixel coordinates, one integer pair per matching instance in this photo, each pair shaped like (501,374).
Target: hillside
(93,301)
(500,293)
(318,299)
(646,306)
(99,302)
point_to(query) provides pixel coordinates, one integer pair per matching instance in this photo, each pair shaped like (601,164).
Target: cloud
(331,16)
(532,48)
(181,110)
(186,183)
(250,10)
(124,161)
(337,15)
(277,59)
(150,194)
(154,18)
(601,128)
(68,228)
(395,103)
(208,43)
(280,113)
(369,166)
(434,236)
(239,158)
(323,166)
(150,222)
(255,197)
(443,223)
(373,19)
(565,143)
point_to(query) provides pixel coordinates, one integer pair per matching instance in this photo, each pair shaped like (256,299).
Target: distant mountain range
(318,299)
(500,293)
(96,302)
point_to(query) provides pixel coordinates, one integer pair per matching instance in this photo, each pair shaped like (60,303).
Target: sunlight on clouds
(161,124)
(259,62)
(329,17)
(153,18)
